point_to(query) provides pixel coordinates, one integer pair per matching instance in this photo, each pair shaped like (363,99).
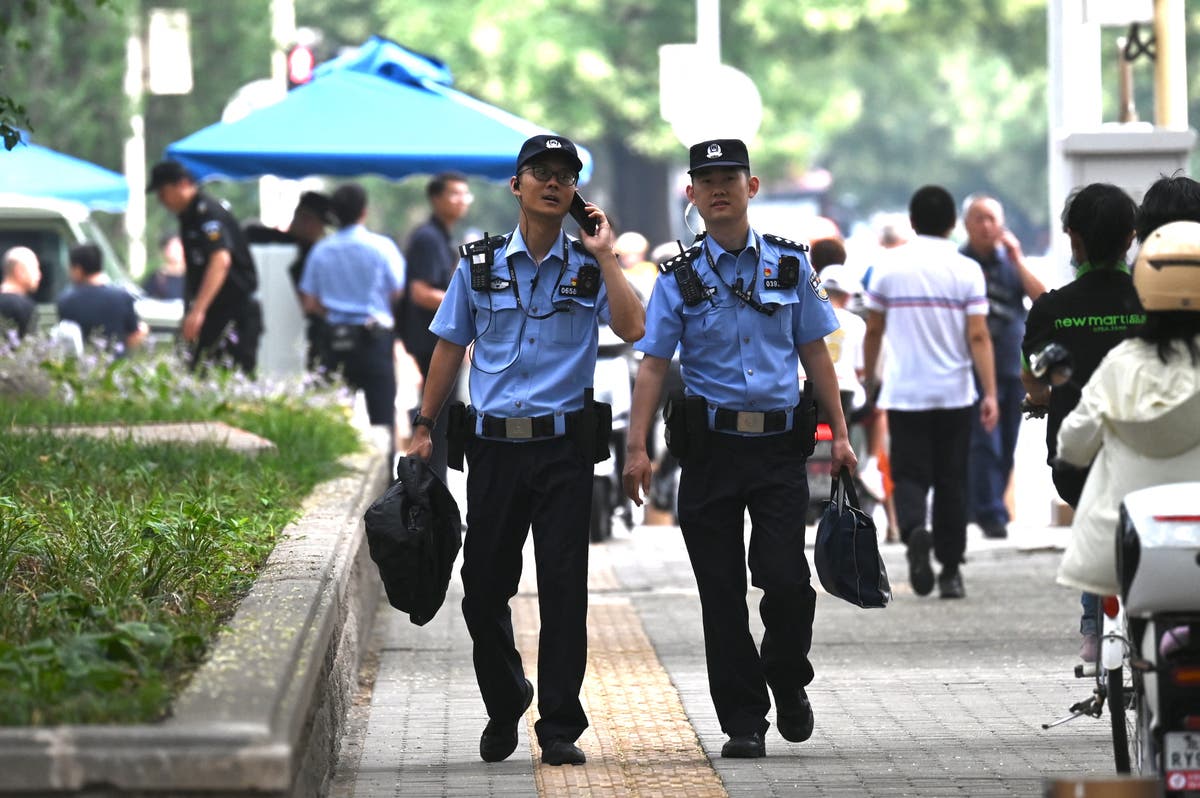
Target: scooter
(1148,669)
(1158,565)
(611,383)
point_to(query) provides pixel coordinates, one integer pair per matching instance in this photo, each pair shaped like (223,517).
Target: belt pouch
(458,427)
(603,431)
(676,422)
(804,422)
(696,410)
(343,337)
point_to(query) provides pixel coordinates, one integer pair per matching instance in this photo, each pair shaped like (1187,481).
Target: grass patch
(119,562)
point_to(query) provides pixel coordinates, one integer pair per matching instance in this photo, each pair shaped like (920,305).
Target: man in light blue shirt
(745,310)
(529,305)
(351,279)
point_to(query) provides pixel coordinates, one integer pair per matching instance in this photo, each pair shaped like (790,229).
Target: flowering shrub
(119,561)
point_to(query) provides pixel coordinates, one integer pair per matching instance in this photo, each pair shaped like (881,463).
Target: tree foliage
(885,94)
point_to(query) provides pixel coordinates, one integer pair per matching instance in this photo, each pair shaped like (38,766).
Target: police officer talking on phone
(742,306)
(529,303)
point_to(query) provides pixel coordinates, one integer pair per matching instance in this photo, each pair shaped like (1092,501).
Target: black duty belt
(525,428)
(725,420)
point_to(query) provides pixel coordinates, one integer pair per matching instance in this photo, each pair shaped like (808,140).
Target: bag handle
(845,481)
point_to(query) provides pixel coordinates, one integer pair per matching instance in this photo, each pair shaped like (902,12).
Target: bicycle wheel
(1118,711)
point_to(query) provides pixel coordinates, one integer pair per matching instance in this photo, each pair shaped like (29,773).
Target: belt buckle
(748,421)
(518,427)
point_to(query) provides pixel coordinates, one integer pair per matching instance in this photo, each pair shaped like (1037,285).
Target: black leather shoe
(793,714)
(920,572)
(744,746)
(950,585)
(562,752)
(994,529)
(499,740)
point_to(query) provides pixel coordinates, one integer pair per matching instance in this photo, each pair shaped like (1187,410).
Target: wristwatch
(423,421)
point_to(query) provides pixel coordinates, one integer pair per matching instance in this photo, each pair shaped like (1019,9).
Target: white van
(50,228)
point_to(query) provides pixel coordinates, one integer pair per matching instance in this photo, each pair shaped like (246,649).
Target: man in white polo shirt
(932,302)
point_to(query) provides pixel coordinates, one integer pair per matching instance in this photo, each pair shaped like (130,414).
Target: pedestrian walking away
(1008,280)
(932,302)
(529,303)
(222,318)
(352,278)
(745,309)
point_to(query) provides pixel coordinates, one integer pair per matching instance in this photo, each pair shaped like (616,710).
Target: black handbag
(846,552)
(414,533)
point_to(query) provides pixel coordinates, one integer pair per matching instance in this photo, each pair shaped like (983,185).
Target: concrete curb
(264,714)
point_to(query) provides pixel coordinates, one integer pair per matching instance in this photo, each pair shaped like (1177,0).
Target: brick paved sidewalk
(926,697)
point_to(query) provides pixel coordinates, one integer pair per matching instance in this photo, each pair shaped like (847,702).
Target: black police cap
(718,152)
(317,204)
(166,173)
(547,143)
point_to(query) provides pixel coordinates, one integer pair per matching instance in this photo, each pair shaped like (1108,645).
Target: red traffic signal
(300,63)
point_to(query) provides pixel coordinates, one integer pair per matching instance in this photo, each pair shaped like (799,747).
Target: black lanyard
(746,296)
(537,272)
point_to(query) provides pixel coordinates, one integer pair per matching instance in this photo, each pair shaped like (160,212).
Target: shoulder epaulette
(682,259)
(578,246)
(785,242)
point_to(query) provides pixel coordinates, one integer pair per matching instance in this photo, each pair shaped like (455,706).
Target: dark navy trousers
(511,487)
(767,476)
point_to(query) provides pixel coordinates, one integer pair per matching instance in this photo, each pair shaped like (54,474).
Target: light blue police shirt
(729,353)
(353,273)
(523,366)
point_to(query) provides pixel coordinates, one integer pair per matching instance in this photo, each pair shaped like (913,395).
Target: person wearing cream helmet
(1138,420)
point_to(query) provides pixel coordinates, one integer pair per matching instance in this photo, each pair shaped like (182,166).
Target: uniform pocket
(498,318)
(576,320)
(786,303)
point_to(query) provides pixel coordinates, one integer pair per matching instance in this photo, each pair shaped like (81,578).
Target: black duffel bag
(846,551)
(414,531)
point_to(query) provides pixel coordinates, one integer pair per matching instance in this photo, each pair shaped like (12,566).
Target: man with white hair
(21,274)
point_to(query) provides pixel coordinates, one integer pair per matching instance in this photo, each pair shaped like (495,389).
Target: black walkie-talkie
(479,253)
(691,290)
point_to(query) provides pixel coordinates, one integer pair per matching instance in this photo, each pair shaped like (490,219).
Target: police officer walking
(351,279)
(222,319)
(742,307)
(530,303)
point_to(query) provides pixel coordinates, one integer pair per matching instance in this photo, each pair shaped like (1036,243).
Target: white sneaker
(871,478)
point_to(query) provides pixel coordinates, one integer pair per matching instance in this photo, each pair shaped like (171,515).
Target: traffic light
(300,63)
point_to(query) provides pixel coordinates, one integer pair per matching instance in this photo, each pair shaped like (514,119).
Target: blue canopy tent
(381,110)
(40,172)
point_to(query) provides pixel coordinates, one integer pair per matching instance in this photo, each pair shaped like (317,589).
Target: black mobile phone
(579,213)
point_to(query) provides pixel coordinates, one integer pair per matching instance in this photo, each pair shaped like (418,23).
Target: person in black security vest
(1009,281)
(745,310)
(529,304)
(222,319)
(1088,317)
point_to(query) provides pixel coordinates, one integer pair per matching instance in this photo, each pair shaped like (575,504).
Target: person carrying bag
(846,552)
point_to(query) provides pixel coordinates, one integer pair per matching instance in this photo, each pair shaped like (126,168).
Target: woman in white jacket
(1138,421)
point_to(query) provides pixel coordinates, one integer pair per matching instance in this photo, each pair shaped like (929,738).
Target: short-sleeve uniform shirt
(206,226)
(534,336)
(734,356)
